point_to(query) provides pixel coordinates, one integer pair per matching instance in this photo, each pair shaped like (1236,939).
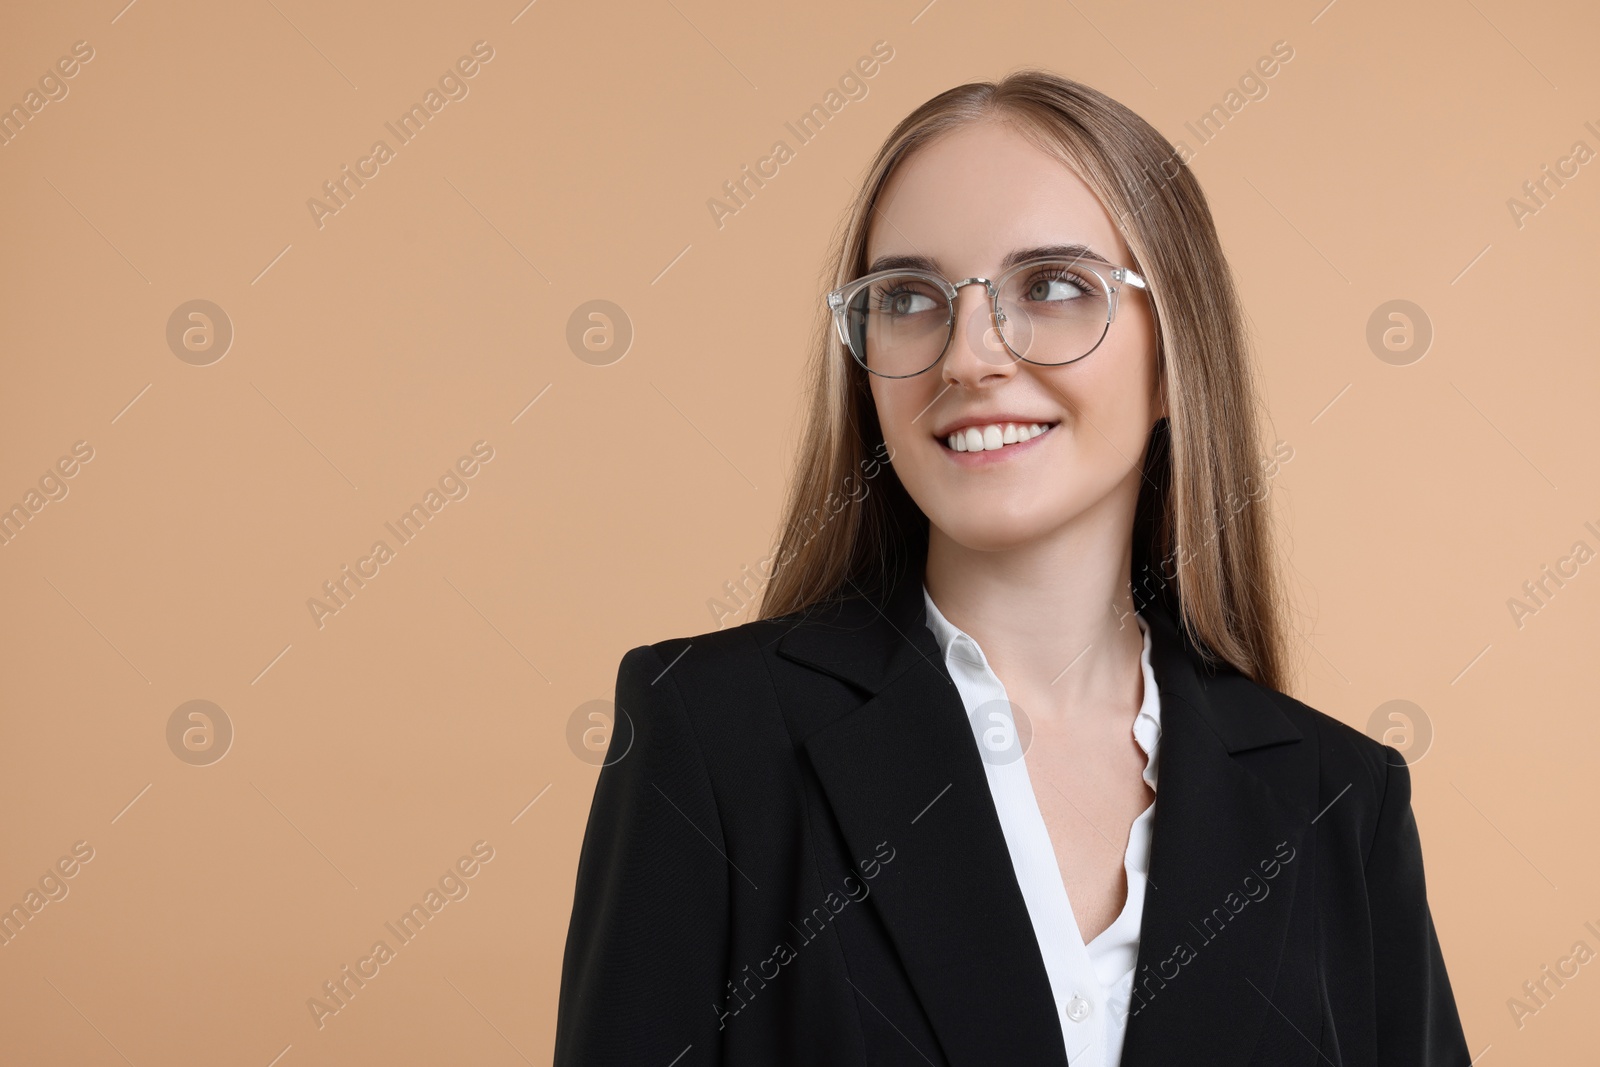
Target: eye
(1056,283)
(904,301)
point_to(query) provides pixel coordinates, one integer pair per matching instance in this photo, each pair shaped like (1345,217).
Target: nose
(976,354)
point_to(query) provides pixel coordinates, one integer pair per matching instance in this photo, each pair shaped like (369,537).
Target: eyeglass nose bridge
(997,317)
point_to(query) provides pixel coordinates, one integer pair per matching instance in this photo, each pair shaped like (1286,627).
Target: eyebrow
(1012,258)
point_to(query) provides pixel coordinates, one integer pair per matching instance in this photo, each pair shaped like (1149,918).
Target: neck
(1054,616)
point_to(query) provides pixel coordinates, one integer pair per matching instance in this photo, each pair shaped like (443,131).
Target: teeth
(993,436)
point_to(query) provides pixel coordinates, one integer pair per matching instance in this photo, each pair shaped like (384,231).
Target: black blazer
(793,857)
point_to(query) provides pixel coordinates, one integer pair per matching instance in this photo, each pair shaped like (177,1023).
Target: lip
(998,455)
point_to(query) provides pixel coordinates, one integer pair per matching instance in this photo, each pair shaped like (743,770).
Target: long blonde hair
(1196,549)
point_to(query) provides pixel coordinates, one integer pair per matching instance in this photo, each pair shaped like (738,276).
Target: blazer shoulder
(1356,772)
(726,647)
(720,676)
(1247,709)
(1342,745)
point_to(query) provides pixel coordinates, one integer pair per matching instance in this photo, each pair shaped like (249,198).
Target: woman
(1005,773)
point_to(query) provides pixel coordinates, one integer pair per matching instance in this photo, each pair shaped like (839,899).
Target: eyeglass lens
(1051,312)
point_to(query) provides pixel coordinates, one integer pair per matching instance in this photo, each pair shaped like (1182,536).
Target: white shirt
(1092,984)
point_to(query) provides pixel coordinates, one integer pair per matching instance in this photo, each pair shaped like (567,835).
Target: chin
(995,530)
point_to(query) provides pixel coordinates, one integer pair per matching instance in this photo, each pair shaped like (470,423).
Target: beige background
(434,709)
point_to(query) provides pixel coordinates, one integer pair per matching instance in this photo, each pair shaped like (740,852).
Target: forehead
(974,194)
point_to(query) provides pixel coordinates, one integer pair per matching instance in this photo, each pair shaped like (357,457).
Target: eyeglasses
(1051,311)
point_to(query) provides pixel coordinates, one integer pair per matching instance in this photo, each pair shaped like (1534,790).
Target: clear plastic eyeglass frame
(1111,277)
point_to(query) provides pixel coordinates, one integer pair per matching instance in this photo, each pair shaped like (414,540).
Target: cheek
(897,404)
(1110,397)
(1109,416)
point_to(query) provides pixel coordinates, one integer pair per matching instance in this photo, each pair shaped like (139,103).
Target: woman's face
(965,201)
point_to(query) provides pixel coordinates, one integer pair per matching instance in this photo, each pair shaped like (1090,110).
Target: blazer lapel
(903,768)
(1228,852)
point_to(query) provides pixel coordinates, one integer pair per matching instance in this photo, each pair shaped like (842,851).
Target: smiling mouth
(994,436)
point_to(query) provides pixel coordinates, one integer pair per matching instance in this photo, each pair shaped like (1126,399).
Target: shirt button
(1077,1009)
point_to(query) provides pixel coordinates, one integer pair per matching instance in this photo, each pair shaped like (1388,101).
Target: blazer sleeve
(1417,1021)
(645,960)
